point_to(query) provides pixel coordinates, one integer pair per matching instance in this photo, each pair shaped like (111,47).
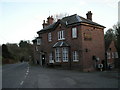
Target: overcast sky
(21,19)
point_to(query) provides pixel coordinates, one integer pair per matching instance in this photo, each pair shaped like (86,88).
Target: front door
(43,60)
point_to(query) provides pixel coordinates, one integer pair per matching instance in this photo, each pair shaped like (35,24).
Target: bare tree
(59,16)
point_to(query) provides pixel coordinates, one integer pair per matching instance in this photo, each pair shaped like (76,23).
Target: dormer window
(66,23)
(61,35)
(38,41)
(74,32)
(49,37)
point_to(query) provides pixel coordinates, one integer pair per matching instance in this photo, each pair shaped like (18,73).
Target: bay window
(57,55)
(65,54)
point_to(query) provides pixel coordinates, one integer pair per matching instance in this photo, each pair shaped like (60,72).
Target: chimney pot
(89,15)
(43,21)
(50,20)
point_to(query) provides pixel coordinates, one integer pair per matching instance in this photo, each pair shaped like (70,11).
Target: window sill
(51,61)
(58,61)
(49,41)
(62,39)
(75,60)
(74,37)
(65,61)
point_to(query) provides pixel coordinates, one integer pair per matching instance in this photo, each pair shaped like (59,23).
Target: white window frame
(116,54)
(38,41)
(74,32)
(51,58)
(75,56)
(61,35)
(113,55)
(65,54)
(57,55)
(49,37)
(108,55)
(36,48)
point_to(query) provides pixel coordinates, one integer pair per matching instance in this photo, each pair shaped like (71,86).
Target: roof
(108,43)
(35,40)
(60,44)
(70,20)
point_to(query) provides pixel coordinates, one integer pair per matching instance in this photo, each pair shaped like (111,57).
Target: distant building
(111,53)
(71,42)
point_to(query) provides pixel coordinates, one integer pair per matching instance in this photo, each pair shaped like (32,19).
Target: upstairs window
(49,37)
(112,54)
(38,41)
(116,54)
(36,48)
(74,32)
(75,56)
(108,55)
(61,35)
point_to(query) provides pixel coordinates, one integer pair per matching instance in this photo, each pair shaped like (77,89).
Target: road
(23,75)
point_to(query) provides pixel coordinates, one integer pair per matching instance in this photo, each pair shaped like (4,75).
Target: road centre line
(21,82)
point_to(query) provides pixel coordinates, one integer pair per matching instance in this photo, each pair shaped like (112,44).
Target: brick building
(111,54)
(71,42)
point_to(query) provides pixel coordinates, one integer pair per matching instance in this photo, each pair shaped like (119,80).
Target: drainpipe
(106,68)
(70,66)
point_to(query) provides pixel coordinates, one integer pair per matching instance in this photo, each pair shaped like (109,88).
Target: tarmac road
(22,75)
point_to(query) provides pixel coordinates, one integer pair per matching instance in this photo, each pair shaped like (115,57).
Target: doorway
(43,60)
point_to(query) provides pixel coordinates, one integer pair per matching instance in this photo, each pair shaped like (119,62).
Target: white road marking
(27,71)
(25,76)
(21,82)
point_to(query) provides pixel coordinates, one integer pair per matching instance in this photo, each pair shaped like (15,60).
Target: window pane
(51,58)
(75,56)
(57,54)
(65,54)
(49,37)
(116,54)
(112,54)
(108,55)
(61,35)
(74,32)
(38,41)
(58,35)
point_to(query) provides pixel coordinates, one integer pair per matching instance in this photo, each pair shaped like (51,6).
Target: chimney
(44,24)
(50,20)
(89,15)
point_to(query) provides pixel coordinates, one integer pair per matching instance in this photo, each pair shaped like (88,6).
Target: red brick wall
(113,49)
(95,46)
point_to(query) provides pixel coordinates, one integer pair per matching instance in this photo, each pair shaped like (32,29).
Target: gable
(52,27)
(112,47)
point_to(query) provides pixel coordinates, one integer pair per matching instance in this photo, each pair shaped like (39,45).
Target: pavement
(23,75)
